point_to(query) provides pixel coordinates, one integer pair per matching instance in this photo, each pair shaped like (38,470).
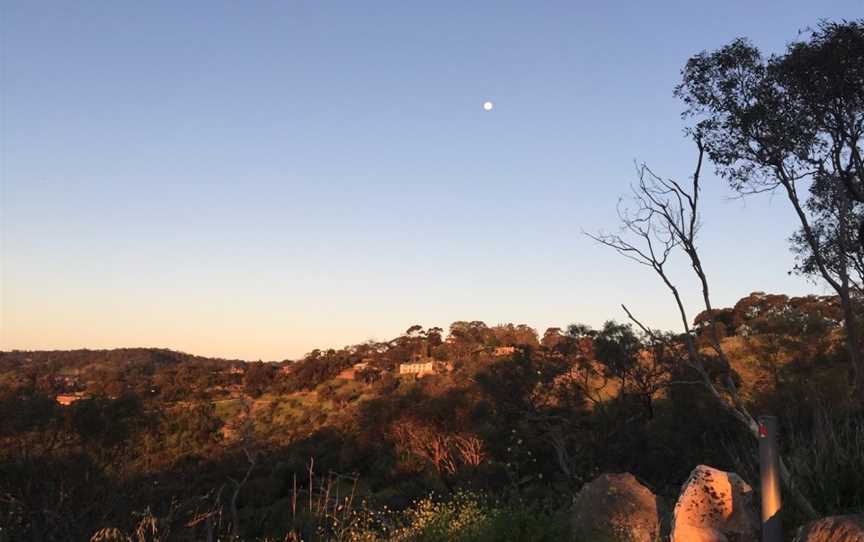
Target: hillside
(494,409)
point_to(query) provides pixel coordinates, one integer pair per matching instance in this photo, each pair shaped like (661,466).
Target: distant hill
(71,360)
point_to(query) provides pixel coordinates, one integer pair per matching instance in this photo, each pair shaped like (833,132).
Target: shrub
(465,517)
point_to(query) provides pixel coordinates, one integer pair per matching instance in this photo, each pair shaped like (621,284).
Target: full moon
(487,106)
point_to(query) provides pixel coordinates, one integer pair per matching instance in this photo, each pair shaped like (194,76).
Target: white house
(418,368)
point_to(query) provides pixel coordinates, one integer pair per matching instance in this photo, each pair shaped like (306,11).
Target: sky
(258,179)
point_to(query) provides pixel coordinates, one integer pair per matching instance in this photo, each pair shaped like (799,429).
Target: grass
(462,517)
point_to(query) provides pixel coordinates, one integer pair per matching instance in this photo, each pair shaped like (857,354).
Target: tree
(834,219)
(638,362)
(664,218)
(465,337)
(787,120)
(442,448)
(193,427)
(513,335)
(552,337)
(620,350)
(433,339)
(416,341)
(258,377)
(617,347)
(521,391)
(104,426)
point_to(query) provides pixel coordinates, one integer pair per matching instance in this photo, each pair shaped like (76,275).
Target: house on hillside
(417,368)
(424,366)
(502,351)
(67,399)
(237,370)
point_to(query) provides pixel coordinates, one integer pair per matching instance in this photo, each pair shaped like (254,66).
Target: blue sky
(256,180)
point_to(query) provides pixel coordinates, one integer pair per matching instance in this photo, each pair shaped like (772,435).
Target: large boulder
(715,506)
(616,507)
(833,529)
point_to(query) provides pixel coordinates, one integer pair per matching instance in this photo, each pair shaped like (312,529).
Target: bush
(466,517)
(826,461)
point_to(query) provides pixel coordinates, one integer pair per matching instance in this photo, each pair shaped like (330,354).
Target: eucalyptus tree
(794,122)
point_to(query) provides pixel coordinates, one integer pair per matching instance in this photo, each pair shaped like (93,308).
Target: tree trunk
(852,340)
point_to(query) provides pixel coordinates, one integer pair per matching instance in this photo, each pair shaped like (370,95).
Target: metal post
(769,470)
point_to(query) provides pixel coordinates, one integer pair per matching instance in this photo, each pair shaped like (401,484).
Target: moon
(487,106)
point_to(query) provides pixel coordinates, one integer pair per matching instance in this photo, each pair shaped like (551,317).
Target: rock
(616,507)
(833,529)
(715,506)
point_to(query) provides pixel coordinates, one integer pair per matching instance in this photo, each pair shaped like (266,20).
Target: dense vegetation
(264,449)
